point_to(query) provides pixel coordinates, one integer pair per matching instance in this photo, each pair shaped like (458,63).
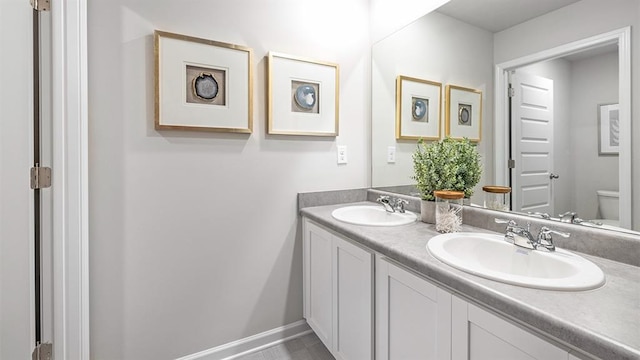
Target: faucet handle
(545,231)
(399,204)
(505,221)
(539,214)
(545,239)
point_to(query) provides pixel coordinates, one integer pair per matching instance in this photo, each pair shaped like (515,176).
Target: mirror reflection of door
(532,120)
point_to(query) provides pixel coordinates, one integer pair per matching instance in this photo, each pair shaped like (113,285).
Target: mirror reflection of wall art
(463,113)
(202,84)
(608,129)
(417,108)
(303,96)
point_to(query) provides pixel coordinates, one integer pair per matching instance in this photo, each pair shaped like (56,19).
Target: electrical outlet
(391,154)
(342,154)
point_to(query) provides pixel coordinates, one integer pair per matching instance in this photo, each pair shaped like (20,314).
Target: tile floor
(307,347)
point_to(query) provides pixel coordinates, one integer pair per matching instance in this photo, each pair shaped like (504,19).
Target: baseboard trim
(253,343)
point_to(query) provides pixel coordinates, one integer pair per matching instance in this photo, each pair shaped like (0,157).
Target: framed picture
(463,113)
(202,84)
(303,96)
(608,129)
(417,108)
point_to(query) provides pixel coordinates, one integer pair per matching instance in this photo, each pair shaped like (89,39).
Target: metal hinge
(43,352)
(40,177)
(511,163)
(512,92)
(41,5)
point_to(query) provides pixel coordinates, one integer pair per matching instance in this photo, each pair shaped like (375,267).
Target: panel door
(353,310)
(479,335)
(318,292)
(532,143)
(413,316)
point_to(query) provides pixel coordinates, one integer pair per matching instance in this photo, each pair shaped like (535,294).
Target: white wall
(16,116)
(594,82)
(463,57)
(195,240)
(574,22)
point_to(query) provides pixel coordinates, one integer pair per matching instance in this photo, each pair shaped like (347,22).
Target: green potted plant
(448,164)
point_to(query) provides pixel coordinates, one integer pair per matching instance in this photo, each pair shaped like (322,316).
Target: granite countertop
(603,322)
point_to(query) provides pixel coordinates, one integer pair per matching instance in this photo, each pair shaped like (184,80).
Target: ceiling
(497,15)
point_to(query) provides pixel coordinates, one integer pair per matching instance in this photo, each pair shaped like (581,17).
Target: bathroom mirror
(462,44)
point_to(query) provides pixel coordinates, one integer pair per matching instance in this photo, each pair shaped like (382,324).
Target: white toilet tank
(608,204)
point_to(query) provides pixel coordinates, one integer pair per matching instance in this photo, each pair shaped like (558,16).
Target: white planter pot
(428,211)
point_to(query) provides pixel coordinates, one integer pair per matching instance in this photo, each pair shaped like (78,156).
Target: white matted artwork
(608,129)
(417,108)
(202,84)
(303,96)
(463,113)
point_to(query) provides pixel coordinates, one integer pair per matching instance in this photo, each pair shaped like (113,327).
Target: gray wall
(194,236)
(574,22)
(595,81)
(438,48)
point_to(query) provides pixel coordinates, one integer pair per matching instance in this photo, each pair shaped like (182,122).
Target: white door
(25,303)
(532,143)
(17,331)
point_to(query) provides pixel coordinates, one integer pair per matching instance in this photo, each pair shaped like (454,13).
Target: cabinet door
(353,303)
(338,292)
(479,334)
(413,316)
(318,293)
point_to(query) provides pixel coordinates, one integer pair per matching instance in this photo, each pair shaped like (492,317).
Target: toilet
(608,207)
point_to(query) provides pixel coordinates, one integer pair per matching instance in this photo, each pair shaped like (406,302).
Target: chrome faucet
(568,217)
(518,235)
(539,214)
(392,204)
(522,237)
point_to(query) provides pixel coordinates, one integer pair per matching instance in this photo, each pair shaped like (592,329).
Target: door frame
(70,180)
(622,37)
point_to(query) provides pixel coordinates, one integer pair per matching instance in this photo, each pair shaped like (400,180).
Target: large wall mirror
(565,128)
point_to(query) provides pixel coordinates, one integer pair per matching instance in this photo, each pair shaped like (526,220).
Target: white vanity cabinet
(338,292)
(413,316)
(479,334)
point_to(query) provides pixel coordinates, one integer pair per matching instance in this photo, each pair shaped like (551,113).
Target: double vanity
(388,286)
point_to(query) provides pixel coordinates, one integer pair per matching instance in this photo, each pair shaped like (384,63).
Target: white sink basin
(372,216)
(490,256)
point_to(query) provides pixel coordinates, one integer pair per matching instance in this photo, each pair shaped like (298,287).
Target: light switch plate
(342,154)
(391,154)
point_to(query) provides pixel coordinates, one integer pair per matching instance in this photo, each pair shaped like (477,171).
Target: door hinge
(43,352)
(40,177)
(512,92)
(41,5)
(511,163)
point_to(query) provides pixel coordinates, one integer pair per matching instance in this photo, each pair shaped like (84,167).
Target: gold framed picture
(418,105)
(303,96)
(202,84)
(463,113)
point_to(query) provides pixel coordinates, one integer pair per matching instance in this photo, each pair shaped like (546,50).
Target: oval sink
(372,216)
(490,256)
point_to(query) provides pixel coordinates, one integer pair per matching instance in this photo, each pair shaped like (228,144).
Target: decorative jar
(448,210)
(497,197)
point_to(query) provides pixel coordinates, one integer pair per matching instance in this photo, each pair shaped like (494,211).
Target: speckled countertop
(604,322)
